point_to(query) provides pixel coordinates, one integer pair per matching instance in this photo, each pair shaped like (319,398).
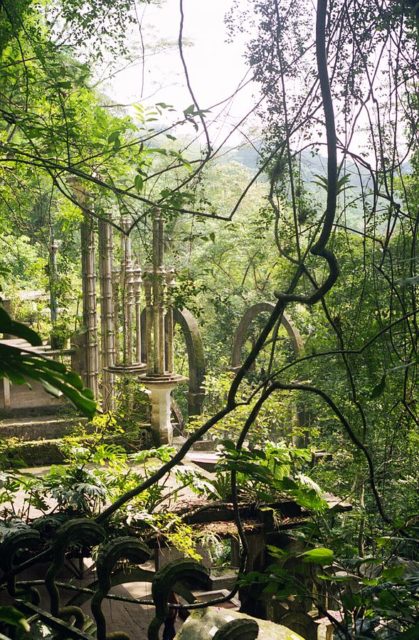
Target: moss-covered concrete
(204,623)
(34,453)
(40,453)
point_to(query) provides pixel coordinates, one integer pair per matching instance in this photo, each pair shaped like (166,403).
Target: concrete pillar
(160,396)
(160,378)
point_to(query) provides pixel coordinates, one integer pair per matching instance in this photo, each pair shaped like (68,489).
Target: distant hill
(312,166)
(246,155)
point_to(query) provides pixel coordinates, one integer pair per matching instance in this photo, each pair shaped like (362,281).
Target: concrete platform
(44,427)
(205,459)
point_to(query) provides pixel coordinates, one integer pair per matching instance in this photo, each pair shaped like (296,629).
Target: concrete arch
(196,358)
(243,329)
(297,345)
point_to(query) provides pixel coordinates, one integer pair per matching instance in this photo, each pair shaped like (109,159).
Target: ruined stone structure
(196,358)
(240,338)
(132,334)
(137,322)
(160,378)
(242,331)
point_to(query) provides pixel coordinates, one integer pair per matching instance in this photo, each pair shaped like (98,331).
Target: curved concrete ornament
(203,624)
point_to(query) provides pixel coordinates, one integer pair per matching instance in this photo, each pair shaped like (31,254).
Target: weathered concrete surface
(27,397)
(204,623)
(40,427)
(196,359)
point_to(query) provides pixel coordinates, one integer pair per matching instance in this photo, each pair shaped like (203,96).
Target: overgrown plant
(321,73)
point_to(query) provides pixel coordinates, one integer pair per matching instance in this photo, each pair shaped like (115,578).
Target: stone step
(178,441)
(46,451)
(35,453)
(39,428)
(204,459)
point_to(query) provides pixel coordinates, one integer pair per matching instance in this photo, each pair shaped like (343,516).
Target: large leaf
(7,325)
(12,616)
(21,367)
(321,556)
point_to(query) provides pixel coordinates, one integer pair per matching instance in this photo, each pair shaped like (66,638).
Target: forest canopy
(308,202)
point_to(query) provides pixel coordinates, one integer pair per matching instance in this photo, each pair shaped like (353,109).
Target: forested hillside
(306,206)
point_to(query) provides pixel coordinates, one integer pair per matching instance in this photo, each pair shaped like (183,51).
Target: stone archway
(196,357)
(295,338)
(243,329)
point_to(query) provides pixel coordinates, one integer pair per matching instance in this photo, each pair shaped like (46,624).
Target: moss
(34,453)
(201,625)
(40,453)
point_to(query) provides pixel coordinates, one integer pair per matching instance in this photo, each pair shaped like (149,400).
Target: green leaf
(341,183)
(370,582)
(51,390)
(7,325)
(20,367)
(39,361)
(12,616)
(327,578)
(379,388)
(393,573)
(288,484)
(112,137)
(322,181)
(277,552)
(138,182)
(64,84)
(88,393)
(321,556)
(74,379)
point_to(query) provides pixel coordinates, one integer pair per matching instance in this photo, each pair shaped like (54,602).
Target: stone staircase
(201,454)
(34,441)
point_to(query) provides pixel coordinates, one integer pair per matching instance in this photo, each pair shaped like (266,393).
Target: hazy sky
(215,67)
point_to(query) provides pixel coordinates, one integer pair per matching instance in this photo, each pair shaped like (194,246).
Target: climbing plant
(343,242)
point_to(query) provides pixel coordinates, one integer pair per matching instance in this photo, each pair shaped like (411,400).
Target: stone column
(170,356)
(127,299)
(160,378)
(160,396)
(89,304)
(106,313)
(127,315)
(137,298)
(90,349)
(115,304)
(149,322)
(53,277)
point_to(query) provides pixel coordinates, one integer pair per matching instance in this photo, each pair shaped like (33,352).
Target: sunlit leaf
(321,556)
(12,616)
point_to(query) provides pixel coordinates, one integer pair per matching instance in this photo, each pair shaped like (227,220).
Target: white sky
(216,67)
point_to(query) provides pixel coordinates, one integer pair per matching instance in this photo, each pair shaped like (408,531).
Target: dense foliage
(340,241)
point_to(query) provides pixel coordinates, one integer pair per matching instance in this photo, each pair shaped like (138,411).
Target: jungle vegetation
(316,211)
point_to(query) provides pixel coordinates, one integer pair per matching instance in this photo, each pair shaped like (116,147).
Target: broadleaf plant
(21,366)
